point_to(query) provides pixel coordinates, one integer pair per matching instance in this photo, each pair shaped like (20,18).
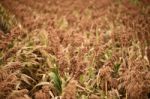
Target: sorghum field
(74,49)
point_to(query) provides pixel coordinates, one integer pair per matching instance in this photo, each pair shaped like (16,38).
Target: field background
(74,49)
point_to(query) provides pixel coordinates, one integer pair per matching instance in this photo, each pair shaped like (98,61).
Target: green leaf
(116,67)
(56,79)
(81,79)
